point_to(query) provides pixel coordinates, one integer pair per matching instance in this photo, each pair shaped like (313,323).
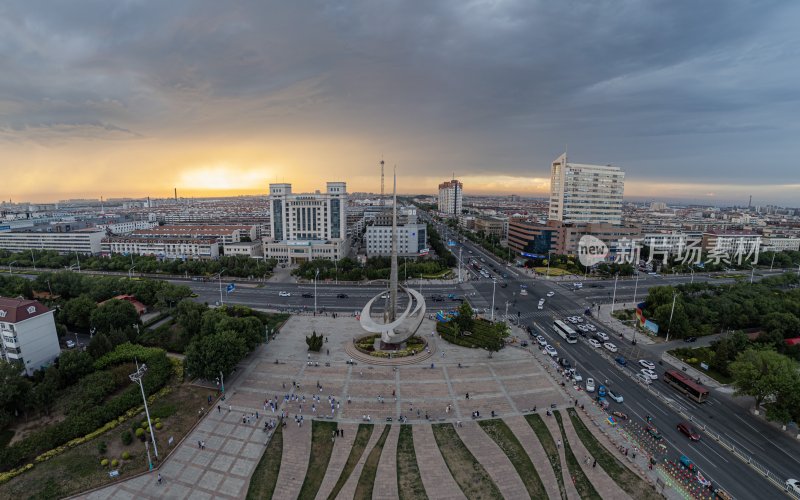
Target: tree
(315,342)
(465,317)
(14,388)
(209,355)
(99,345)
(78,311)
(114,314)
(762,374)
(72,365)
(43,394)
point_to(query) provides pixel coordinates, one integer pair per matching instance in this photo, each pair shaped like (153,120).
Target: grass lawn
(409,482)
(321,449)
(79,469)
(359,444)
(470,475)
(366,482)
(635,486)
(550,449)
(265,476)
(554,271)
(582,483)
(694,356)
(508,442)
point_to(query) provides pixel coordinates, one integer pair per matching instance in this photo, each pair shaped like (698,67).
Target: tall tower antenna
(382,193)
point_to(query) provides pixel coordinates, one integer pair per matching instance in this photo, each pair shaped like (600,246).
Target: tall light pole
(137,377)
(547,275)
(770,264)
(336,268)
(316,274)
(130,272)
(33,258)
(9,267)
(459,263)
(691,268)
(78,257)
(494,285)
(635,287)
(752,271)
(614,299)
(669,327)
(219,275)
(506,318)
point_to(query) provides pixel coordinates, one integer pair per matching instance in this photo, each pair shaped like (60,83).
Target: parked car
(589,384)
(576,377)
(385,296)
(690,339)
(621,360)
(594,343)
(341,296)
(550,350)
(649,374)
(690,431)
(70,344)
(611,347)
(615,396)
(284,294)
(601,391)
(437,298)
(565,363)
(541,340)
(643,379)
(647,364)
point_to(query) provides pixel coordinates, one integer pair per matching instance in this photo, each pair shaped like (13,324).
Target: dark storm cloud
(497,86)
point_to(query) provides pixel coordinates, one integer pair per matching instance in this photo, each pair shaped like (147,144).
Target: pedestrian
(559,443)
(219,409)
(202,445)
(467,395)
(159,479)
(199,444)
(594,464)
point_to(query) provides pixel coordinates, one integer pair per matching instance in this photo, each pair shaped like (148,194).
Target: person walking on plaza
(159,479)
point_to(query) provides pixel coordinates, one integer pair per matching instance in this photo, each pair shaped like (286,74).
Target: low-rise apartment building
(28,334)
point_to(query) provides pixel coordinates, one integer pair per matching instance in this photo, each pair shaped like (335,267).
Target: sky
(695,100)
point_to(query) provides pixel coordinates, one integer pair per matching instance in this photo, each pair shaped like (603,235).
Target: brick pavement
(527,438)
(294,461)
(552,426)
(386,477)
(349,489)
(341,450)
(436,478)
(493,459)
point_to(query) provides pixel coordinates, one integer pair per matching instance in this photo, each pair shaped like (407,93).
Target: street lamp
(130,272)
(219,275)
(9,267)
(33,258)
(635,287)
(316,275)
(547,275)
(221,382)
(752,271)
(137,377)
(614,299)
(669,327)
(78,258)
(494,284)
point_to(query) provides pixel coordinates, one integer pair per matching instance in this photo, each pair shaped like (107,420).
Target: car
(341,296)
(551,350)
(589,384)
(653,432)
(541,340)
(690,339)
(615,396)
(70,344)
(284,294)
(647,364)
(523,292)
(578,319)
(690,431)
(611,347)
(437,298)
(594,343)
(503,285)
(601,336)
(540,306)
(550,294)
(643,379)
(308,295)
(385,296)
(572,320)
(577,285)
(621,360)
(565,363)
(591,327)
(652,273)
(601,391)
(577,377)
(649,374)
(793,485)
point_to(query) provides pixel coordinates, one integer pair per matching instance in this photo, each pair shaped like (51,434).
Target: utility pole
(316,274)
(635,287)
(614,299)
(494,284)
(459,263)
(219,275)
(669,327)
(506,319)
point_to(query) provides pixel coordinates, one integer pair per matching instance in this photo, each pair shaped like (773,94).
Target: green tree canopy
(114,314)
(209,355)
(763,374)
(78,311)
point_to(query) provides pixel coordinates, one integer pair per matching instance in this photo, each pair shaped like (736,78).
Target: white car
(550,350)
(577,285)
(611,347)
(602,336)
(643,379)
(594,343)
(647,364)
(550,294)
(649,374)
(284,294)
(540,306)
(578,319)
(590,327)
(542,342)
(572,320)
(615,396)
(793,485)
(70,344)
(589,384)
(577,377)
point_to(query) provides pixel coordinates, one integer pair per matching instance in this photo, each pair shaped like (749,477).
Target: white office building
(82,241)
(307,226)
(410,240)
(165,248)
(29,336)
(451,198)
(585,193)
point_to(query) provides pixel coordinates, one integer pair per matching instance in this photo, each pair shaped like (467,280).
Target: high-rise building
(307,226)
(585,193)
(451,198)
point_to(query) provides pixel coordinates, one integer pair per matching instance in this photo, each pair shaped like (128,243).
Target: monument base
(391,347)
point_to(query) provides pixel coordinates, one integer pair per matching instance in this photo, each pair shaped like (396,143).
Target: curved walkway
(493,459)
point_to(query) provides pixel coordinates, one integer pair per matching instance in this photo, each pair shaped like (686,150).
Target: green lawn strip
(508,442)
(366,481)
(470,475)
(409,481)
(265,476)
(582,483)
(550,449)
(321,449)
(359,443)
(624,477)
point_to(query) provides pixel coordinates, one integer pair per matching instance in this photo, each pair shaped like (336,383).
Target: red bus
(686,385)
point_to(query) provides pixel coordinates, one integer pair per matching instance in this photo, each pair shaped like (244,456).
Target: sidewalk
(618,327)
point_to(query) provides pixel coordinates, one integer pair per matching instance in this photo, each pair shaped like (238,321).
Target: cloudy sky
(694,99)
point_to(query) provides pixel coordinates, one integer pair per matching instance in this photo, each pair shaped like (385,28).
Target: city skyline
(693,102)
